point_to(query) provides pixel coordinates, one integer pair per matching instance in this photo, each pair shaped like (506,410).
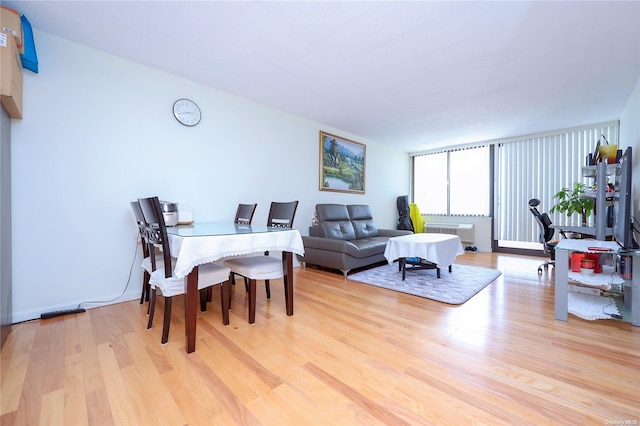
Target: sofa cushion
(332,212)
(338,230)
(362,221)
(334,222)
(365,247)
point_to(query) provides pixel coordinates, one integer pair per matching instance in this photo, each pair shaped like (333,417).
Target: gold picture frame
(342,164)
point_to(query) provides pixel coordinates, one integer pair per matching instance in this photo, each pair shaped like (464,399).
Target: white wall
(98,132)
(630,136)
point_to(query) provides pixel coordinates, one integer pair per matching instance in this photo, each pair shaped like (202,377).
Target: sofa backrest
(334,222)
(362,221)
(341,222)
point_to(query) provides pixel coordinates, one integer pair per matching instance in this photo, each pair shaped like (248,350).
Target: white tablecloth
(440,249)
(191,251)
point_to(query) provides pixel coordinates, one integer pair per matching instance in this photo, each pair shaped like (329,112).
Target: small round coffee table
(423,251)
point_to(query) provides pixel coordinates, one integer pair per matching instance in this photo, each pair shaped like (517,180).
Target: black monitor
(622,202)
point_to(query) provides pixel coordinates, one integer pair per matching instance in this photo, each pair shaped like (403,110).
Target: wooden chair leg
(252,301)
(225,288)
(167,319)
(268,288)
(145,287)
(152,307)
(230,290)
(203,299)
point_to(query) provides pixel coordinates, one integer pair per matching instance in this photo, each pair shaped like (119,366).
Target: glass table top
(594,246)
(201,229)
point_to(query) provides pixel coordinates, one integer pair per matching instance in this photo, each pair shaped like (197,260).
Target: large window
(455,182)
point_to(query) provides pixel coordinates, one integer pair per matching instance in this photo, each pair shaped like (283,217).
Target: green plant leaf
(572,200)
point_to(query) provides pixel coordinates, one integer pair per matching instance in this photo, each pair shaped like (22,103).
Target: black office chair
(546,234)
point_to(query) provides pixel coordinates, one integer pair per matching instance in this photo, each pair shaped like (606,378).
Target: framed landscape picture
(342,164)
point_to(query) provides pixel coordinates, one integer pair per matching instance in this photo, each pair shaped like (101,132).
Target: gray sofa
(345,238)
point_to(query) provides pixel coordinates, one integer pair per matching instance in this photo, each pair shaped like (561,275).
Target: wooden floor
(352,354)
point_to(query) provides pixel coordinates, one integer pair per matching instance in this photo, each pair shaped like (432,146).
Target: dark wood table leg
(403,266)
(287,268)
(191,309)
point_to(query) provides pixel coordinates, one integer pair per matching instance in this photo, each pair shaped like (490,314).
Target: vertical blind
(539,167)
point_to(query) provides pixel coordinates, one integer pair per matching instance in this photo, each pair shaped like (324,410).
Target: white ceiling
(416,75)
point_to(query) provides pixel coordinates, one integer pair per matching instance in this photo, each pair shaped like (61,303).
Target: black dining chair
(281,215)
(244,214)
(146,260)
(162,277)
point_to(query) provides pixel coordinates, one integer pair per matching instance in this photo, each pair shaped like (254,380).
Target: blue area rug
(454,288)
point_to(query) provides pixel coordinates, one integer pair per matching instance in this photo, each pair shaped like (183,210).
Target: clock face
(186,112)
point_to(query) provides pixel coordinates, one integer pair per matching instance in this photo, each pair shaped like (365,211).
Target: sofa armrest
(328,244)
(393,232)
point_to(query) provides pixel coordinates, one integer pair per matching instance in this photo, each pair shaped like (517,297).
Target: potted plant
(572,200)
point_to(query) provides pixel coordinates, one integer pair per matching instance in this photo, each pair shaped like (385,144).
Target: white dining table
(200,243)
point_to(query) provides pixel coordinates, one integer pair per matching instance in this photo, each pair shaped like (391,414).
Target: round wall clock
(186,112)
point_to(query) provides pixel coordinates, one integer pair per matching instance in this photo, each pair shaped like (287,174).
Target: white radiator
(462,230)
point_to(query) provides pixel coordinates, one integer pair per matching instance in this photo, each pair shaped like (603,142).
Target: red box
(575,261)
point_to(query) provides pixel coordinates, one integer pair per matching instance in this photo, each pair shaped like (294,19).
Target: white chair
(264,267)
(162,277)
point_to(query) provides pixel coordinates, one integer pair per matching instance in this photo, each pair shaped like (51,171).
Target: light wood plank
(15,357)
(122,410)
(52,411)
(75,403)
